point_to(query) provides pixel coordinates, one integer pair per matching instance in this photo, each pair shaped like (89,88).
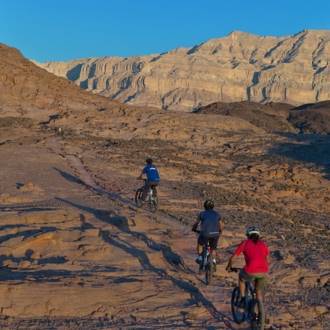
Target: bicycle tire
(138,197)
(257,315)
(238,316)
(209,270)
(208,274)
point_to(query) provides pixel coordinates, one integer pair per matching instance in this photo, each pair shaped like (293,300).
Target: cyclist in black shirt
(211,226)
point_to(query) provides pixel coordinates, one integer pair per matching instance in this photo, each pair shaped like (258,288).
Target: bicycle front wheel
(257,315)
(237,312)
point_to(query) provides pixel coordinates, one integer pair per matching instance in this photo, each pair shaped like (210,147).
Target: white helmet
(252,230)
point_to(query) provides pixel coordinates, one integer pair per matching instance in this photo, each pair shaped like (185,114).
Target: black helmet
(149,161)
(252,230)
(208,204)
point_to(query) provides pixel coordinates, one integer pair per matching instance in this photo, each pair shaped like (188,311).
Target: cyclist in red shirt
(256,253)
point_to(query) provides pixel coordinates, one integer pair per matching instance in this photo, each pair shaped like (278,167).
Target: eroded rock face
(238,67)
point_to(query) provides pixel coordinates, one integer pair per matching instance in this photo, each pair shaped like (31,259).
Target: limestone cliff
(238,67)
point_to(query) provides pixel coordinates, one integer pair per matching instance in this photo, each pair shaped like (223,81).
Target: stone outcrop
(272,117)
(238,67)
(312,118)
(276,117)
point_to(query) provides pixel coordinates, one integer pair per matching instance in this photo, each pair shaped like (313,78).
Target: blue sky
(67,29)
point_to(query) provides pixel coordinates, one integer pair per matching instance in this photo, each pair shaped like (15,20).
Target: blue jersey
(152,173)
(210,223)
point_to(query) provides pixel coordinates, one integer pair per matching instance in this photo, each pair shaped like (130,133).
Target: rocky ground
(76,253)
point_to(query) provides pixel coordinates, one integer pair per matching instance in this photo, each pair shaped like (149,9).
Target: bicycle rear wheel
(138,197)
(257,315)
(208,274)
(237,312)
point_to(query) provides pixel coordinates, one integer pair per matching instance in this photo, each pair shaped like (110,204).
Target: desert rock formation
(238,67)
(76,253)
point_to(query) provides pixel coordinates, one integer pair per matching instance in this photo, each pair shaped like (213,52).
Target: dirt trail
(75,249)
(214,298)
(119,262)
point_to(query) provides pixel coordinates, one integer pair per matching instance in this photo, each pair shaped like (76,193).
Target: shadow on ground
(313,149)
(171,257)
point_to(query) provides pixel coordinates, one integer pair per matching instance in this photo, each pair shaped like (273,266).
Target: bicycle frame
(151,197)
(206,254)
(150,194)
(207,262)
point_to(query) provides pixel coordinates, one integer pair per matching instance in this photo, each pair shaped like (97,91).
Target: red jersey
(255,254)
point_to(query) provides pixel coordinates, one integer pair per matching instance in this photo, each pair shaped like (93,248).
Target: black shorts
(213,241)
(152,183)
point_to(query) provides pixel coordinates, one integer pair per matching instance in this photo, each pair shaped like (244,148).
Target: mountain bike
(207,264)
(151,197)
(253,310)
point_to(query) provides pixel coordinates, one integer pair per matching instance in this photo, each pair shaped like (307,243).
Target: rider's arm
(142,172)
(237,252)
(267,256)
(195,225)
(222,226)
(230,262)
(140,176)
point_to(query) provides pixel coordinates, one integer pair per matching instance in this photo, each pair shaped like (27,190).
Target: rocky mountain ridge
(239,67)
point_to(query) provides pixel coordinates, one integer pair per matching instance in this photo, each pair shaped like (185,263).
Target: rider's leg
(145,190)
(213,253)
(154,188)
(258,291)
(214,247)
(200,244)
(216,254)
(199,248)
(259,285)
(243,278)
(241,284)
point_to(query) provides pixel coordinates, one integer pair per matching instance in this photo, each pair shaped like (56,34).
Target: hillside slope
(276,117)
(29,91)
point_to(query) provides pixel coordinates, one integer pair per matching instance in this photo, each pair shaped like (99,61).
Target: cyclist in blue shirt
(211,226)
(152,177)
